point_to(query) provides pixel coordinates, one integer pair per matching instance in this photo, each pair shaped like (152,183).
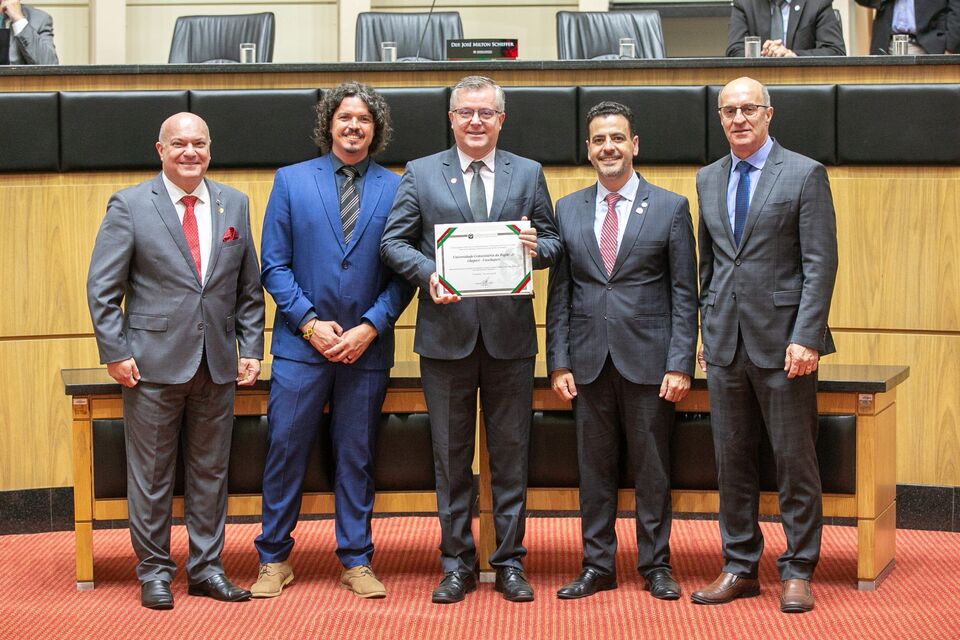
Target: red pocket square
(230,234)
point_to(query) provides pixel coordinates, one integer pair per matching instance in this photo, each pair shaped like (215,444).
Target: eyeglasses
(485,114)
(748,110)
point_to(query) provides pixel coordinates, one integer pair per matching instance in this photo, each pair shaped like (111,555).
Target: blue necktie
(743,200)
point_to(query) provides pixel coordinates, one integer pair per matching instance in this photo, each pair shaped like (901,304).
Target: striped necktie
(349,202)
(609,232)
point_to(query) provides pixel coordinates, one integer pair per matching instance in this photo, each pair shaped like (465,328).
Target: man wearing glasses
(470,344)
(768,262)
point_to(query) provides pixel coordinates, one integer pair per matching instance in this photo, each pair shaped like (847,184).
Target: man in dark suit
(768,262)
(333,333)
(178,253)
(31,33)
(787,28)
(475,343)
(933,25)
(621,344)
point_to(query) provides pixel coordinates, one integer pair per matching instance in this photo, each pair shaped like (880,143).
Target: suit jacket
(938,25)
(812,31)
(306,263)
(34,45)
(168,320)
(432,192)
(775,289)
(645,313)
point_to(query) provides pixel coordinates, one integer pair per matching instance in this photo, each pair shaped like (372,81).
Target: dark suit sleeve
(249,314)
(738,30)
(827,34)
(558,309)
(818,250)
(107,280)
(681,352)
(389,304)
(548,240)
(35,42)
(953,27)
(403,233)
(705,245)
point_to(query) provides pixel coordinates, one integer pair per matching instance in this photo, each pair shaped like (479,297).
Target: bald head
(184,148)
(745,115)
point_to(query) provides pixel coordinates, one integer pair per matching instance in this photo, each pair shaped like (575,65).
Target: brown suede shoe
(796,597)
(271,580)
(362,582)
(726,588)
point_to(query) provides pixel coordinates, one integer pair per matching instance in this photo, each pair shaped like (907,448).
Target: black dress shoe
(661,585)
(513,585)
(155,594)
(587,583)
(219,588)
(454,587)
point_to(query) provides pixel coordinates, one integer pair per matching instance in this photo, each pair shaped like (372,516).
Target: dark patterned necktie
(478,194)
(776,21)
(742,205)
(349,202)
(191,232)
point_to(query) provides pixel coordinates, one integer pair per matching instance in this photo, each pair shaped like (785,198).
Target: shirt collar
(361,166)
(628,191)
(759,157)
(176,193)
(488,160)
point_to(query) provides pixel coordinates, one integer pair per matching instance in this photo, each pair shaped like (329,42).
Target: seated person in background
(797,28)
(31,33)
(933,25)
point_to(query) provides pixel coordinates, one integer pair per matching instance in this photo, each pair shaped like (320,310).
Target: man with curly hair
(333,332)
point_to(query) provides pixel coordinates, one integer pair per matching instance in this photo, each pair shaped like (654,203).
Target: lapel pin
(219,206)
(453,181)
(796,7)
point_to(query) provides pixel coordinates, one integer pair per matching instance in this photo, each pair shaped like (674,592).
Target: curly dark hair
(330,102)
(610,108)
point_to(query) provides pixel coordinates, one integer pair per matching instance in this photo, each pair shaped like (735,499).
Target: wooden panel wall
(897,301)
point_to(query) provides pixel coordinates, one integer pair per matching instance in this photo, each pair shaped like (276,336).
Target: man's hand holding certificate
(484,259)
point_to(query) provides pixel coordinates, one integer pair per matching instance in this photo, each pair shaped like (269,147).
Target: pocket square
(230,234)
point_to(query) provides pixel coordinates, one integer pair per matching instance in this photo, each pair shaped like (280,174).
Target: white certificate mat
(483,259)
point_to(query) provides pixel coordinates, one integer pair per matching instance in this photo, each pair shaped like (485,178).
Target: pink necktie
(191,233)
(608,233)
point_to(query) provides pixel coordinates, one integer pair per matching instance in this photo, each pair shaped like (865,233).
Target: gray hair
(478,83)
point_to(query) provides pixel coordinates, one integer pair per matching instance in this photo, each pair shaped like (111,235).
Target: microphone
(424,32)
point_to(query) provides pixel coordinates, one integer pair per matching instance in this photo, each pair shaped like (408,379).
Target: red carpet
(38,599)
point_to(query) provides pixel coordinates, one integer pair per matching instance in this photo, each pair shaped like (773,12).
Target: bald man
(178,252)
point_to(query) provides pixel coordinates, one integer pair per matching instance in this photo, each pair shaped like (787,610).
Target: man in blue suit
(333,333)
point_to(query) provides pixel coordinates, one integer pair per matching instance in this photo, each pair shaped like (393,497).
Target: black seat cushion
(539,124)
(30,132)
(420,123)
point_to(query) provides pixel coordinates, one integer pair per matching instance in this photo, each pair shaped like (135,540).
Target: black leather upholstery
(669,121)
(420,123)
(898,124)
(268,128)
(804,120)
(406,29)
(217,38)
(114,129)
(539,124)
(553,454)
(582,35)
(30,132)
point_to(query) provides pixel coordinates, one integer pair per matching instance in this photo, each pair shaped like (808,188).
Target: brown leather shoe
(796,597)
(726,588)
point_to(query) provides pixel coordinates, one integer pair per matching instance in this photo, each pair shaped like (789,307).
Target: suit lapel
(723,181)
(587,213)
(768,178)
(218,224)
(369,199)
(763,21)
(327,188)
(501,186)
(168,213)
(453,176)
(638,214)
(794,21)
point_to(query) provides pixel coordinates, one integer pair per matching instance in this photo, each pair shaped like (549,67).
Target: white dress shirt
(202,212)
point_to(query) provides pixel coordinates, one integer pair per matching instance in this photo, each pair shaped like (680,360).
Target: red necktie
(608,233)
(191,233)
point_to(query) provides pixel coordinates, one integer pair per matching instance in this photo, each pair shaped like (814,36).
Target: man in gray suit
(768,262)
(621,344)
(31,33)
(475,343)
(177,251)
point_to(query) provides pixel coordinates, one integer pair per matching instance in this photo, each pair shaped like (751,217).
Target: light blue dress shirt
(757,160)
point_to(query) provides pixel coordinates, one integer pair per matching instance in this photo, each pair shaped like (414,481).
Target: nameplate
(490,49)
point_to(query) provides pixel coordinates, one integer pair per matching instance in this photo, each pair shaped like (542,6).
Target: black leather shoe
(661,585)
(587,583)
(454,587)
(219,588)
(155,594)
(513,585)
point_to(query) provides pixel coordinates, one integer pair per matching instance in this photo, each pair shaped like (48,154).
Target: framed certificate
(483,259)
